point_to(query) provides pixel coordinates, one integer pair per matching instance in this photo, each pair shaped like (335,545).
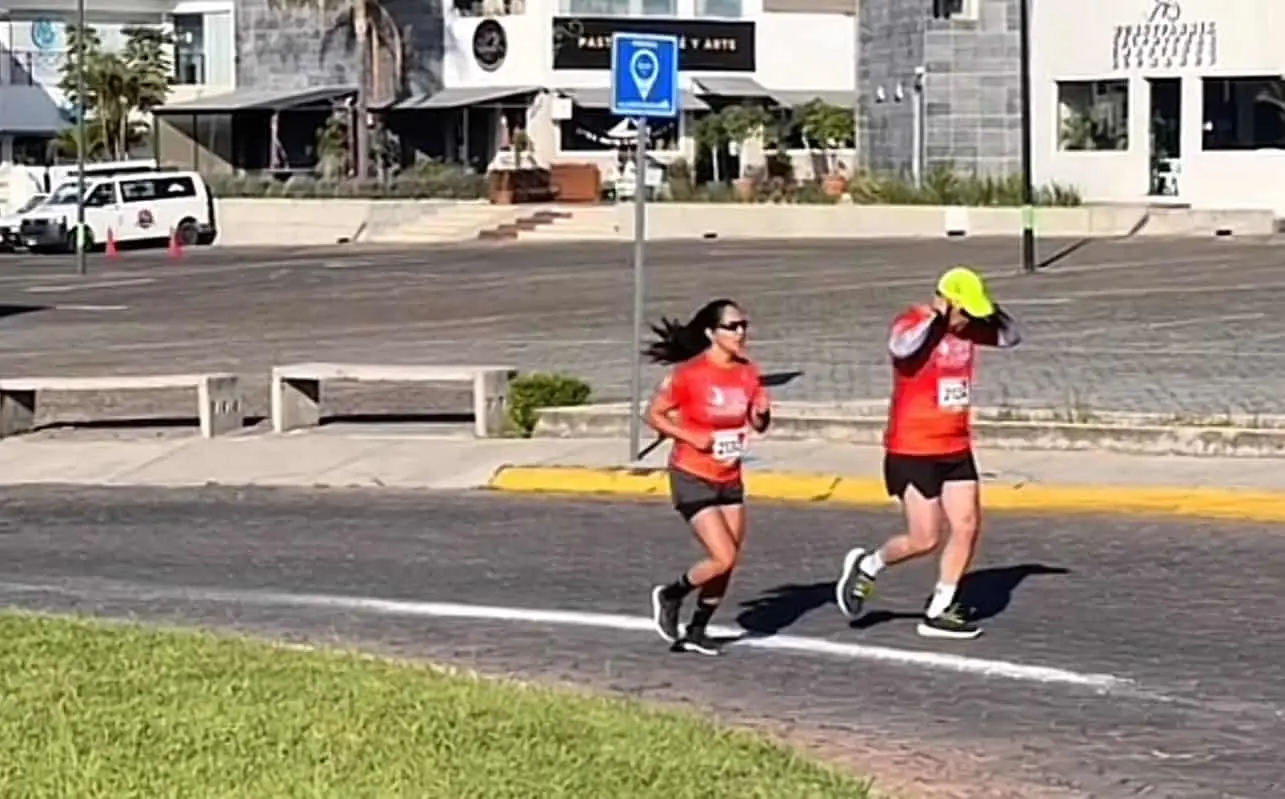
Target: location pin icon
(644,67)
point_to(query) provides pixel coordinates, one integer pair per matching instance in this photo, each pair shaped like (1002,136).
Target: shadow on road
(18,310)
(986,592)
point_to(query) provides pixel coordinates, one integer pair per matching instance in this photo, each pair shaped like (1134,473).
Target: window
(725,9)
(189,49)
(148,189)
(1244,113)
(1093,115)
(954,9)
(598,130)
(489,8)
(101,196)
(619,8)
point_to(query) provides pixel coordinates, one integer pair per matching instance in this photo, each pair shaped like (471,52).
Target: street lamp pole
(80,137)
(1028,188)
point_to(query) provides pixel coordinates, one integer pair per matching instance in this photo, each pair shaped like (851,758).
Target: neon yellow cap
(965,289)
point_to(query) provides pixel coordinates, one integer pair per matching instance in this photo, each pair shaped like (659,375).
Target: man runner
(928,459)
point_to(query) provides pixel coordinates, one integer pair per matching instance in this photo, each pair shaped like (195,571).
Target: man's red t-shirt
(930,412)
(717,400)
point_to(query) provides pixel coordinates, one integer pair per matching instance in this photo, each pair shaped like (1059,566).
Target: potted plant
(828,126)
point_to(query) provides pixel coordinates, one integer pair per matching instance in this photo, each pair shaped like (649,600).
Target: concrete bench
(296,389)
(218,396)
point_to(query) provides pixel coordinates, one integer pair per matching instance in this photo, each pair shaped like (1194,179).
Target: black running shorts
(926,473)
(692,495)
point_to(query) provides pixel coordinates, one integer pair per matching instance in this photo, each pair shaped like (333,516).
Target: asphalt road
(1186,326)
(1180,622)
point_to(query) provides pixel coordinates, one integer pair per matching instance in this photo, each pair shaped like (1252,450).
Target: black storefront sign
(704,45)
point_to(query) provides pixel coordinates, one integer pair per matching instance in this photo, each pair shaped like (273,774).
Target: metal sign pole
(640,236)
(80,135)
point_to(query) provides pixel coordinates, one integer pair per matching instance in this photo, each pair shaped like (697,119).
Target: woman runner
(928,446)
(705,405)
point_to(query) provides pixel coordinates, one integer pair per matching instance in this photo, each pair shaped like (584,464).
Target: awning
(797,98)
(732,86)
(31,111)
(461,98)
(258,100)
(599,99)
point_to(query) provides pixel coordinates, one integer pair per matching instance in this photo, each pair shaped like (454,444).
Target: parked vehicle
(134,207)
(9,239)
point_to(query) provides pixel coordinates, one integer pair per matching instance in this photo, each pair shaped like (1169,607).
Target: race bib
(729,445)
(952,393)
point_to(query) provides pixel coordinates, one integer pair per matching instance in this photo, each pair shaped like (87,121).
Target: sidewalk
(1241,488)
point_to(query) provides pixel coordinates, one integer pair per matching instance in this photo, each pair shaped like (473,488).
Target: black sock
(678,589)
(704,612)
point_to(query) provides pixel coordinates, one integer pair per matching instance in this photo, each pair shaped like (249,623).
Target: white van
(135,207)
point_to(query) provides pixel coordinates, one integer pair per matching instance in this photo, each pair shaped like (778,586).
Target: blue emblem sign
(644,75)
(44,35)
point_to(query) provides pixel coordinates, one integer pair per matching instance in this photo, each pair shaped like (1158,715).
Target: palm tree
(366,28)
(118,87)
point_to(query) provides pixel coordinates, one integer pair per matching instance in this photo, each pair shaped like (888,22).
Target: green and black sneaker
(951,624)
(854,586)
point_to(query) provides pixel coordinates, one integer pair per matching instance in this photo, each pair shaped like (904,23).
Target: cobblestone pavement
(1184,326)
(1187,613)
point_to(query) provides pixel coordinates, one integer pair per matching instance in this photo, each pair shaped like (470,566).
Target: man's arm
(1003,332)
(913,337)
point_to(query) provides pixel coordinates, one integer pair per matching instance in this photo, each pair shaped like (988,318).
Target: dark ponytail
(676,342)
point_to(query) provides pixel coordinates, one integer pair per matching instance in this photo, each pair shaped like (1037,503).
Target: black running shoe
(664,614)
(854,586)
(951,624)
(697,640)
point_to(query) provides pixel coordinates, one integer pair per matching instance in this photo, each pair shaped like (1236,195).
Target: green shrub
(941,186)
(422,181)
(529,393)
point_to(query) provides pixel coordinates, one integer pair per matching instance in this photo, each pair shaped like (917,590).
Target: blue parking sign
(644,75)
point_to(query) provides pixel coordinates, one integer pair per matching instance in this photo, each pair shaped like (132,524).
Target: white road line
(105,284)
(936,661)
(91,308)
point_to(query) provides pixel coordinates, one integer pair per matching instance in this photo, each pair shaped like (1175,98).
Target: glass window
(596,8)
(1244,113)
(660,8)
(189,49)
(727,9)
(489,8)
(1093,115)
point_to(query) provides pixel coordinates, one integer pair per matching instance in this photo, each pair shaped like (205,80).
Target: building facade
(1162,100)
(549,61)
(34,111)
(939,86)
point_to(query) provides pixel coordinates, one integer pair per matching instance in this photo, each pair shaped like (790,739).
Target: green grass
(92,709)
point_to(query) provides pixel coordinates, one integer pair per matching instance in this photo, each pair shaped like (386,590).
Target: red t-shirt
(717,400)
(930,412)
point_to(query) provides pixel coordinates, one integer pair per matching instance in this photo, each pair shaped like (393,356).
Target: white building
(543,65)
(33,111)
(1179,100)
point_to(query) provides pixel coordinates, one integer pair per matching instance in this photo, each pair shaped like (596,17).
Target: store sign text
(1165,39)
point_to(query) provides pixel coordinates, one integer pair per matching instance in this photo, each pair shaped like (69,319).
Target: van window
(101,196)
(151,189)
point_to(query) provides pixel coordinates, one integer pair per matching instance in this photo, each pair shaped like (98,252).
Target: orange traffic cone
(111,250)
(176,248)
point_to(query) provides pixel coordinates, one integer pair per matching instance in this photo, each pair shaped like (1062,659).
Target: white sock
(943,595)
(872,564)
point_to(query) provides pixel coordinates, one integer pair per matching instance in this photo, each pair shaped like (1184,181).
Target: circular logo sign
(145,218)
(43,34)
(490,45)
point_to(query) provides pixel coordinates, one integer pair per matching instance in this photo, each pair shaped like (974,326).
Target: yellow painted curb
(1217,503)
(580,480)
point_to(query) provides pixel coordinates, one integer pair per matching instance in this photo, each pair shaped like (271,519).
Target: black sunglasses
(742,326)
